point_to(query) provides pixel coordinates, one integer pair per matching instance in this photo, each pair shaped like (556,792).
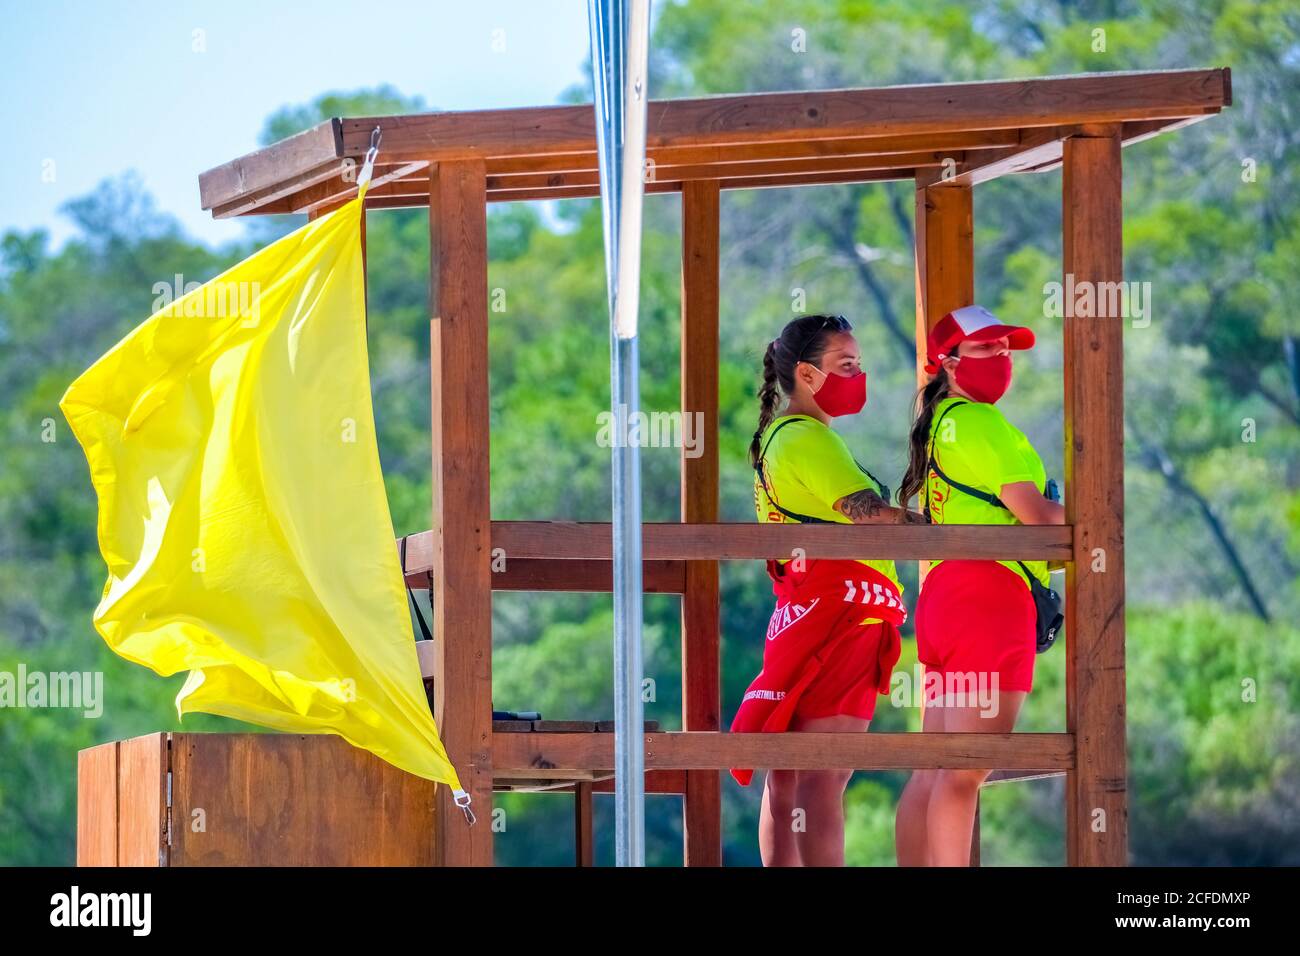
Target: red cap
(971,323)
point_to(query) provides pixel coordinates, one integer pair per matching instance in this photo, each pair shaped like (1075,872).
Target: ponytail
(769,396)
(919,440)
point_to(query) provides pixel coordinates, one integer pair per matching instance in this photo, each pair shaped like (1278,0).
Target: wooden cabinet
(249,800)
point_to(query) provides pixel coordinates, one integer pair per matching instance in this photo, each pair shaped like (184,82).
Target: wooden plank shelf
(561,726)
(575,755)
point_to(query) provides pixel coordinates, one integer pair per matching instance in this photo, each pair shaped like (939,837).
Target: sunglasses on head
(836,322)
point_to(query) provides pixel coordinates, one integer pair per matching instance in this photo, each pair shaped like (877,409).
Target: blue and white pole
(620,39)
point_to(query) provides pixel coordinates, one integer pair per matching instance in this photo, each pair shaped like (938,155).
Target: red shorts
(850,676)
(819,659)
(975,620)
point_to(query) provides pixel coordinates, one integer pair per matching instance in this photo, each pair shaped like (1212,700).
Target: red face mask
(841,394)
(984,379)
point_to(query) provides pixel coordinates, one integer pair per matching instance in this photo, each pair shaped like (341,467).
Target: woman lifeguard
(975,620)
(833,639)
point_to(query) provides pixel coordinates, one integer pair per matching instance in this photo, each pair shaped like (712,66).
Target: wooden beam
(400,195)
(1038,146)
(1134,132)
(673,173)
(1096,798)
(584,849)
(944,236)
(813,114)
(279,196)
(945,267)
(768,181)
(343,187)
(274,165)
(729,129)
(539,755)
(861,146)
(656,781)
(460,543)
(701,656)
(815,162)
(592,577)
(1019,776)
(750,541)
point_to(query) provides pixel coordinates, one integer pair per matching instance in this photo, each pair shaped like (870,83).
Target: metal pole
(620,37)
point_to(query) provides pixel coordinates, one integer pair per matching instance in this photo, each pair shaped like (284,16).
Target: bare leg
(950,816)
(776,838)
(820,795)
(911,841)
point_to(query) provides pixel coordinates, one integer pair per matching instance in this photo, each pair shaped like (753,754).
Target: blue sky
(100,88)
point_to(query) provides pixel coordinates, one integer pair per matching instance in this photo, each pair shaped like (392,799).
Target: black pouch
(1048,604)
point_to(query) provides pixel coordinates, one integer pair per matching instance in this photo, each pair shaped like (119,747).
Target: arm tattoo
(861,504)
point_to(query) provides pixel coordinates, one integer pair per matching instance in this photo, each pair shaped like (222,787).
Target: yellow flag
(242,512)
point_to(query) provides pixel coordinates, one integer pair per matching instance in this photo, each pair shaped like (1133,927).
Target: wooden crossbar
(557,756)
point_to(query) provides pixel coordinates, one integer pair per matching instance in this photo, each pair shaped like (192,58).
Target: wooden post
(1096,799)
(462,585)
(945,257)
(945,265)
(701,674)
(584,847)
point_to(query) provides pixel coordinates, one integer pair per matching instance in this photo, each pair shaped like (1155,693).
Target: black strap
(933,465)
(973,492)
(410,596)
(881,487)
(805,519)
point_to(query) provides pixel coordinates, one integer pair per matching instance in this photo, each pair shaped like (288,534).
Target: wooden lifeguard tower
(947,139)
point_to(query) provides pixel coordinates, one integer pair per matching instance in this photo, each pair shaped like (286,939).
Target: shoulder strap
(767,444)
(881,488)
(933,464)
(762,479)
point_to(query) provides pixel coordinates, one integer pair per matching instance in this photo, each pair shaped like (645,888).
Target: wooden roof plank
(827,114)
(272,165)
(823,127)
(781,150)
(345,188)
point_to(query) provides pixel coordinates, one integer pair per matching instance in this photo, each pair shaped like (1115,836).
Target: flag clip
(368,166)
(463,801)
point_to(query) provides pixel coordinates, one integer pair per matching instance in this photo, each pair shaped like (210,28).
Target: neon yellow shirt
(808,468)
(976,445)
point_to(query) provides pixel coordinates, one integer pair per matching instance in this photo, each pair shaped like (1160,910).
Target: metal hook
(460,795)
(368,164)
